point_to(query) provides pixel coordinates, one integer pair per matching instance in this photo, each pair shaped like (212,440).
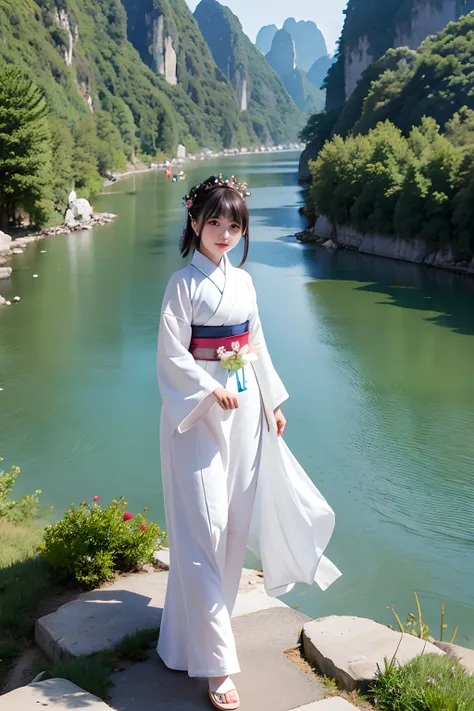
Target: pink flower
(96,498)
(143,527)
(127,516)
(189,204)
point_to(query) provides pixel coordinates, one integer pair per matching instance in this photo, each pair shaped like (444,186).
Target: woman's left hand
(280,421)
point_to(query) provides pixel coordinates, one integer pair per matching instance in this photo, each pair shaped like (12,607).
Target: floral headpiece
(215,181)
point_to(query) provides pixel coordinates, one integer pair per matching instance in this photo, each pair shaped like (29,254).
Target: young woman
(223,459)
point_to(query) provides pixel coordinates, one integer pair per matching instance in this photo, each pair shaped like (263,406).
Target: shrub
(92,542)
(26,508)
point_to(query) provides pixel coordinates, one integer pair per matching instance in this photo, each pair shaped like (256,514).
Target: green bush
(414,186)
(26,508)
(90,543)
(427,683)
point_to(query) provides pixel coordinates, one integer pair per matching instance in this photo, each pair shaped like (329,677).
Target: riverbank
(192,158)
(416,251)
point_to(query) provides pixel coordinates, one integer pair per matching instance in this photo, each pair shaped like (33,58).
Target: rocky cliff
(371,27)
(282,57)
(309,42)
(261,96)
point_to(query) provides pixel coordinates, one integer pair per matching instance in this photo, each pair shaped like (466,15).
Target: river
(378,357)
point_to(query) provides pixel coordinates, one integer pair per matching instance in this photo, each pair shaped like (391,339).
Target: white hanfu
(228,479)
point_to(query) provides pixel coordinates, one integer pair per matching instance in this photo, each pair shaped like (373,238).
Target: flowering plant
(90,542)
(238,357)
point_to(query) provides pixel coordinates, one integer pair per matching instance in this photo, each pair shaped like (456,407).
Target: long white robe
(228,480)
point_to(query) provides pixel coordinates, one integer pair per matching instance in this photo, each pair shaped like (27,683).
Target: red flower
(127,516)
(143,527)
(96,498)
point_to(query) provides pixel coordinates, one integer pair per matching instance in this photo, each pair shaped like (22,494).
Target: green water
(378,357)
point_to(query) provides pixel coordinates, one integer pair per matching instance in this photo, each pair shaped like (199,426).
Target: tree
(85,158)
(25,147)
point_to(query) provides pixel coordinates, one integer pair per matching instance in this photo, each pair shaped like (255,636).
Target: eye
(235,226)
(213,222)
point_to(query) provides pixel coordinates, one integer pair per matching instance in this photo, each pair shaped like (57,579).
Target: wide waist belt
(207,339)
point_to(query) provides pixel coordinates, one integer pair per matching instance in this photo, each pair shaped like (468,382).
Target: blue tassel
(241,386)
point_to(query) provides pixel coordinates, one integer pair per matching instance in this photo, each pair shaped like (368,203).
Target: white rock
(5,272)
(349,649)
(2,301)
(5,242)
(72,197)
(329,244)
(17,250)
(16,299)
(35,276)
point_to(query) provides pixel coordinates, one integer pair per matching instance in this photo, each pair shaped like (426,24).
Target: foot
(224,691)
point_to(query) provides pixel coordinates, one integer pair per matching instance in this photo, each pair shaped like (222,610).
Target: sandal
(217,696)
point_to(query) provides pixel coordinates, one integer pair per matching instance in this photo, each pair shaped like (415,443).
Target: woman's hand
(226,399)
(280,421)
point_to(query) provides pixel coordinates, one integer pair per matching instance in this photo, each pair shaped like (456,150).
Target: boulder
(350,649)
(5,272)
(329,244)
(5,242)
(2,301)
(79,210)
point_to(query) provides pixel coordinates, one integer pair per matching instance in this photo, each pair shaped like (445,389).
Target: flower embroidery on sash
(238,357)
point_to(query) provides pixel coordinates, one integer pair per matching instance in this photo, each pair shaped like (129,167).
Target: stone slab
(269,680)
(54,694)
(335,703)
(101,618)
(349,649)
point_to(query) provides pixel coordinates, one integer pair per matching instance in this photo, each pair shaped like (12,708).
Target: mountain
(78,52)
(406,164)
(372,27)
(261,95)
(170,43)
(282,57)
(309,42)
(436,80)
(319,71)
(265,38)
(403,86)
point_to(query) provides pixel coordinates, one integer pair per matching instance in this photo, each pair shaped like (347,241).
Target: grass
(92,672)
(26,580)
(428,683)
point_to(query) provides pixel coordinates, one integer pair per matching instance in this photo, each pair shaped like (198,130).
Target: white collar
(217,274)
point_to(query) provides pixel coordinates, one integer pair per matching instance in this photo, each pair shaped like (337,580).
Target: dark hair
(215,202)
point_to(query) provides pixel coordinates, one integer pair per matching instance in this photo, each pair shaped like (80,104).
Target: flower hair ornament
(215,181)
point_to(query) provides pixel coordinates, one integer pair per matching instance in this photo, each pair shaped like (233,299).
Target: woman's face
(218,236)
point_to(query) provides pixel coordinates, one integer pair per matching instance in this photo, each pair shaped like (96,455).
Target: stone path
(264,629)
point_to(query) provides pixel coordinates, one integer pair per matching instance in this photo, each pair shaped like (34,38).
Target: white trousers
(209,481)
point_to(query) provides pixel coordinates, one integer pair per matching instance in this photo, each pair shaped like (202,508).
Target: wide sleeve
(273,390)
(186,388)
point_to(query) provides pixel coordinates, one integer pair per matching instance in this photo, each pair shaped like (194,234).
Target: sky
(253,14)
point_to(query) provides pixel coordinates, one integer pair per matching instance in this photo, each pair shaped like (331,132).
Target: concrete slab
(335,703)
(349,649)
(56,694)
(269,680)
(100,619)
